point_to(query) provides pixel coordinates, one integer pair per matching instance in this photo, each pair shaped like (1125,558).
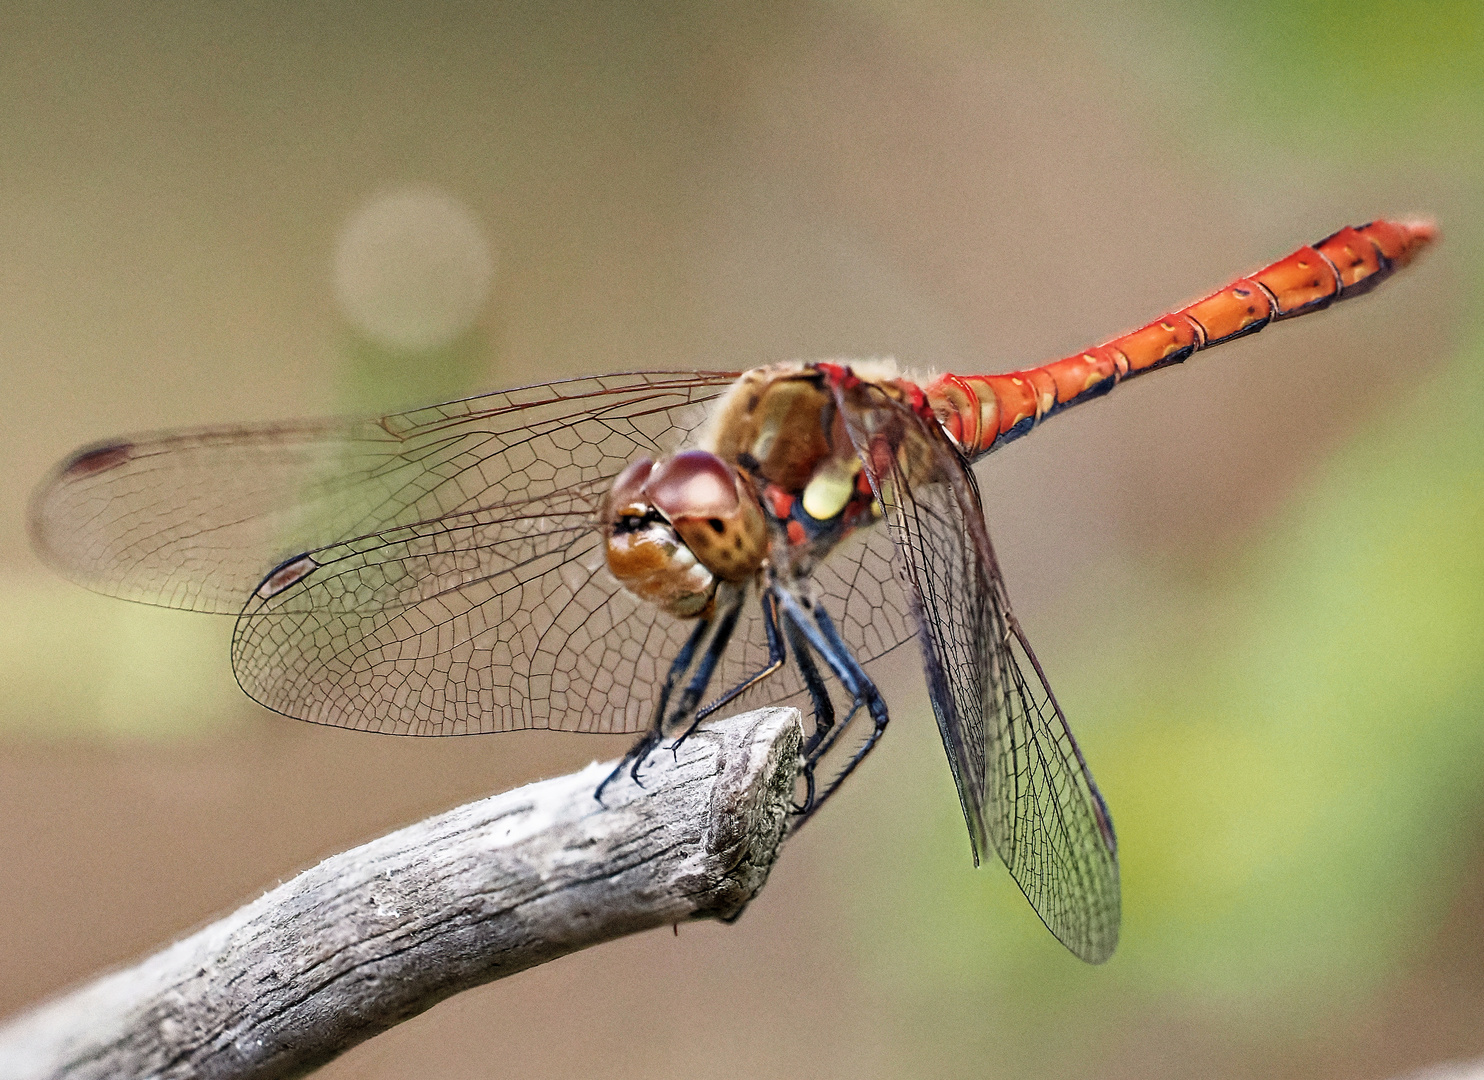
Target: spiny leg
(874,703)
(651,738)
(819,695)
(824,708)
(800,626)
(820,634)
(704,670)
(776,658)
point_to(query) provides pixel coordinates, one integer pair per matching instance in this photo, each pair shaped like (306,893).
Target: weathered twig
(377,934)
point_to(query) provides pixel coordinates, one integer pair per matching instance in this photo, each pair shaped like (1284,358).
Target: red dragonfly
(595,554)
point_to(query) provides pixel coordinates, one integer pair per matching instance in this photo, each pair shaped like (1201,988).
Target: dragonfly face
(673,529)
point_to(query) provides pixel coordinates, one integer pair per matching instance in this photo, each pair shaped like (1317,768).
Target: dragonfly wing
(197,519)
(494,621)
(863,593)
(437,572)
(1024,786)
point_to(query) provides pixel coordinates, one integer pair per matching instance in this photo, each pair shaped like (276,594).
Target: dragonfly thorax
(781,426)
(673,528)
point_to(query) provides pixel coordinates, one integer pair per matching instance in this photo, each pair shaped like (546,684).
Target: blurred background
(1256,582)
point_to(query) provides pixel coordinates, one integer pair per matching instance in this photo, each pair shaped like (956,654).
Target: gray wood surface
(379,933)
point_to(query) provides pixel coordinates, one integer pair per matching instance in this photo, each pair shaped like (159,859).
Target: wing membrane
(439,572)
(460,627)
(196,519)
(507,619)
(1025,789)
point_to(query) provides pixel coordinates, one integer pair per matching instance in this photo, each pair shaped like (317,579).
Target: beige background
(963,186)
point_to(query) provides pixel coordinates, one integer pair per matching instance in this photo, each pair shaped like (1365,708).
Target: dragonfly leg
(865,693)
(679,666)
(638,754)
(818,630)
(776,658)
(819,696)
(824,709)
(877,708)
(641,749)
(704,670)
(841,663)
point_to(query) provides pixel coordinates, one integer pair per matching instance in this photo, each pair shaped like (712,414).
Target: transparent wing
(470,595)
(1025,788)
(494,620)
(197,519)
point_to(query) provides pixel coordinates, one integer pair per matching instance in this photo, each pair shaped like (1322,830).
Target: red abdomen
(982,412)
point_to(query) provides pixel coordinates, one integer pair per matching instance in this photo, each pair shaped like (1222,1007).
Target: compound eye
(626,497)
(692,484)
(721,524)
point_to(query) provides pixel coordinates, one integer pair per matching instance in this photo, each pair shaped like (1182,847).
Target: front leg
(776,658)
(725,625)
(640,751)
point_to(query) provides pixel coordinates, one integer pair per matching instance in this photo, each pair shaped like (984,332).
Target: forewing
(1021,779)
(197,519)
(439,572)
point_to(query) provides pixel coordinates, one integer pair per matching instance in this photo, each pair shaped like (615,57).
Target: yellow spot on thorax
(830,488)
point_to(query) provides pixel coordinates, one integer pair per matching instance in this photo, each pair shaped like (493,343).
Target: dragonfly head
(672,528)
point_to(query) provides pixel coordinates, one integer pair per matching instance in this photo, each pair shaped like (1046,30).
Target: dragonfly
(597,554)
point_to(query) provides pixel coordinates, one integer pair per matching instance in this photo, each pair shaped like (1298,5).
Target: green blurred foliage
(1375,82)
(1398,68)
(75,664)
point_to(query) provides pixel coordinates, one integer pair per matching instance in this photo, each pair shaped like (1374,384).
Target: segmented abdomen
(983,412)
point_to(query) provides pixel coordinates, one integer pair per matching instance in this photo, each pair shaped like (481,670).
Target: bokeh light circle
(412,269)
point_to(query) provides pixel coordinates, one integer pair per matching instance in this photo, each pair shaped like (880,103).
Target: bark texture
(380,933)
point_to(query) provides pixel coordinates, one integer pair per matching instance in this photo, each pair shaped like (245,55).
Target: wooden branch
(375,935)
